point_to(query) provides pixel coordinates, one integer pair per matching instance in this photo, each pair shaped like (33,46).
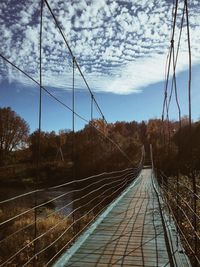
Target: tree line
(88,151)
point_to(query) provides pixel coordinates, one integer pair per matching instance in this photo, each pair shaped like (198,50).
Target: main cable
(72,55)
(169,62)
(66,106)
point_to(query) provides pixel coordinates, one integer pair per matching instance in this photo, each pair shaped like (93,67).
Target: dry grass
(45,221)
(184,214)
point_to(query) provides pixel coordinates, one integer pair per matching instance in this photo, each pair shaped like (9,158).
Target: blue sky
(121,47)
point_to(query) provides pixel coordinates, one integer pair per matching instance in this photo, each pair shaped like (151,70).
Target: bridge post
(151,152)
(92,130)
(73,138)
(39,139)
(194,186)
(177,208)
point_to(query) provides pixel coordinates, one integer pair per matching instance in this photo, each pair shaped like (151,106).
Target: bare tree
(13,132)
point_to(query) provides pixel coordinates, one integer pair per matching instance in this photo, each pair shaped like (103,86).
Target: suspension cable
(65,184)
(50,229)
(175,59)
(47,202)
(56,240)
(65,206)
(169,62)
(70,109)
(72,55)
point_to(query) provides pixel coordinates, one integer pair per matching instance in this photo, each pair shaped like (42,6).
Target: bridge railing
(36,226)
(183,205)
(36,234)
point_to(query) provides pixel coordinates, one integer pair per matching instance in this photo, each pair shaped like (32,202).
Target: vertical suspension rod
(92,103)
(190,63)
(73,95)
(39,130)
(190,129)
(73,131)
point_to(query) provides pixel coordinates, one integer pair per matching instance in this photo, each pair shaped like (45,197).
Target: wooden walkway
(132,234)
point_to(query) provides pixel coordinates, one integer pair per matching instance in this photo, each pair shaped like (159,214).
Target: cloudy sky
(121,47)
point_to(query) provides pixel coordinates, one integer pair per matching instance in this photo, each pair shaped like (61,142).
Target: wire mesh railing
(183,205)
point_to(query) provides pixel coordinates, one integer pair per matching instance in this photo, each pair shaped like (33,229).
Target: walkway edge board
(62,261)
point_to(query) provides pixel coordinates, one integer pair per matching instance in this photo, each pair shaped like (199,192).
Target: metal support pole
(190,127)
(151,152)
(177,208)
(39,136)
(92,131)
(92,107)
(73,135)
(73,96)
(194,186)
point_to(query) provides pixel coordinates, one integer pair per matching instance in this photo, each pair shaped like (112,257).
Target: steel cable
(64,185)
(181,232)
(70,109)
(185,215)
(45,203)
(44,249)
(54,212)
(52,228)
(82,230)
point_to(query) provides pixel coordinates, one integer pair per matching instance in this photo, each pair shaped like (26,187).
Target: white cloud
(121,46)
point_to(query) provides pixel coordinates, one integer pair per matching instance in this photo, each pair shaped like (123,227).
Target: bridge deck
(132,234)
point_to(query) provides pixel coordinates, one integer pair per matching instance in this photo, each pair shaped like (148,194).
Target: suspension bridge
(127,217)
(121,218)
(133,231)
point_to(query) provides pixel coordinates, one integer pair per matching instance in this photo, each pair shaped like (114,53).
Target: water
(60,204)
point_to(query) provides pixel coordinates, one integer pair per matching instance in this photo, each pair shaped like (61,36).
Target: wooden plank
(130,235)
